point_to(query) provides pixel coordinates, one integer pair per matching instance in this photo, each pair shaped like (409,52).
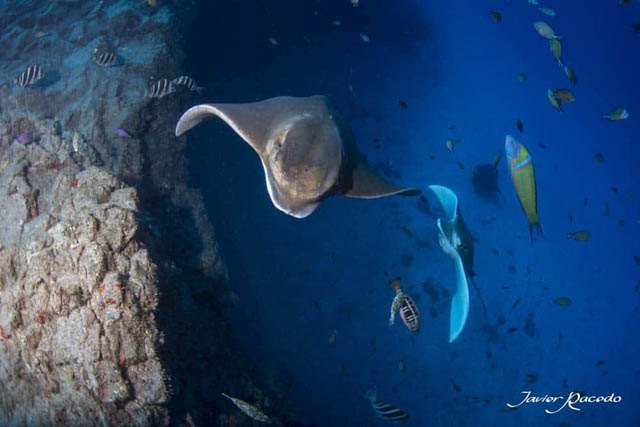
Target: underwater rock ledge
(112,285)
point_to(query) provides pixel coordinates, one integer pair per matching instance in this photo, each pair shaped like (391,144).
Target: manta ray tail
(365,183)
(484,306)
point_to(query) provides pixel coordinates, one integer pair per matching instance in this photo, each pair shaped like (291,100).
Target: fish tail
(372,394)
(535,229)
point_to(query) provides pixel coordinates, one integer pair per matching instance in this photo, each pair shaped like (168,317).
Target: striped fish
(406,306)
(385,411)
(188,82)
(31,75)
(161,88)
(105,59)
(524,181)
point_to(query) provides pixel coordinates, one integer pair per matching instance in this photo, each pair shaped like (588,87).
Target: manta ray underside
(307,155)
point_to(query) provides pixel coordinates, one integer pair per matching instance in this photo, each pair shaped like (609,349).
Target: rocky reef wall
(112,285)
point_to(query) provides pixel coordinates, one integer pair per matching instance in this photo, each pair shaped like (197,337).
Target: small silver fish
(547,11)
(31,75)
(105,59)
(76,140)
(249,409)
(161,88)
(187,82)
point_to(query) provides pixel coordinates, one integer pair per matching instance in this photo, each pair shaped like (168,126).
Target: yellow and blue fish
(524,181)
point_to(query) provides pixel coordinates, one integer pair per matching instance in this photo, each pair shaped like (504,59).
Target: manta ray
(306,152)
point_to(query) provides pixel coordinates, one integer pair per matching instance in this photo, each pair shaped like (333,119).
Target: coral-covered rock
(111,281)
(74,322)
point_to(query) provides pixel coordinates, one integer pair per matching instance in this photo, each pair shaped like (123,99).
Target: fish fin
(365,183)
(447,199)
(538,231)
(459,303)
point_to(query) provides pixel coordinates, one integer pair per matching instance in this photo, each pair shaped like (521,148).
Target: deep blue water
(303,283)
(300,281)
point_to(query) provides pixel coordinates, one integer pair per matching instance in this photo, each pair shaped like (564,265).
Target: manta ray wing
(301,146)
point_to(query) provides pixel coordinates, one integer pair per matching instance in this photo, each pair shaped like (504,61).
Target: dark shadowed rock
(111,282)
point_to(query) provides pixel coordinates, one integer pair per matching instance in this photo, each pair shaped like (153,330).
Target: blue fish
(123,133)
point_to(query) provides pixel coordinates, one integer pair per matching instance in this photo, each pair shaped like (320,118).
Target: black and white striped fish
(105,59)
(31,75)
(387,412)
(161,88)
(188,82)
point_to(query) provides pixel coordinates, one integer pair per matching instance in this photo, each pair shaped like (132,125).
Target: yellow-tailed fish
(451,143)
(616,114)
(564,95)
(571,75)
(555,46)
(580,236)
(555,102)
(562,301)
(545,30)
(524,181)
